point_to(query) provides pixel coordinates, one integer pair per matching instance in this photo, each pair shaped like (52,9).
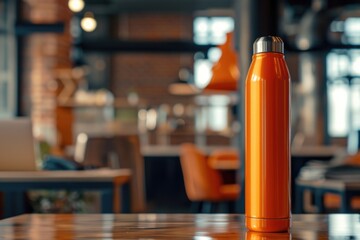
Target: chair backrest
(117,151)
(353,159)
(202,183)
(127,149)
(17,149)
(95,150)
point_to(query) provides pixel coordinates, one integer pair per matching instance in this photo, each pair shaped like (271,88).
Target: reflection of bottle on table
(267,236)
(267,196)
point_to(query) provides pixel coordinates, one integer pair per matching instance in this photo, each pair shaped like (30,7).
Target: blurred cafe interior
(156,87)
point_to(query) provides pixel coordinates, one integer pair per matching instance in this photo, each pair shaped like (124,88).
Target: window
(7,61)
(209,30)
(213,112)
(215,109)
(212,30)
(343,85)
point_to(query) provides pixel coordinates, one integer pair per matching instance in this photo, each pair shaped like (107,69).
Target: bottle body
(267,143)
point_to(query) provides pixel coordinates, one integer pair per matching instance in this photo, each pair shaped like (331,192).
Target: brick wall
(43,54)
(149,74)
(155,26)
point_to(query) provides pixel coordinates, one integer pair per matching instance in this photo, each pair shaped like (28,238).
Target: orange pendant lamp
(226,71)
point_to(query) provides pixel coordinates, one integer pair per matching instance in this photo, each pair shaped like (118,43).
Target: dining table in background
(163,176)
(172,226)
(113,184)
(173,151)
(345,189)
(299,155)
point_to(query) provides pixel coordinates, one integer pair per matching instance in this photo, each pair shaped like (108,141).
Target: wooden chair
(203,184)
(91,151)
(228,157)
(118,151)
(127,149)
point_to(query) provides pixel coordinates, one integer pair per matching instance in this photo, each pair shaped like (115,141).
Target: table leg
(125,198)
(13,204)
(8,205)
(209,207)
(299,203)
(107,198)
(319,200)
(345,206)
(122,198)
(117,199)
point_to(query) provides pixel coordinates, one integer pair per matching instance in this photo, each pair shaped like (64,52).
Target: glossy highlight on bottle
(267,139)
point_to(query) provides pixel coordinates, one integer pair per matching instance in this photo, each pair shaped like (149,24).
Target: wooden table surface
(96,175)
(171,226)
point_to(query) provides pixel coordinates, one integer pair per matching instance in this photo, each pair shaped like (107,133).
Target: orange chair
(228,157)
(203,184)
(332,201)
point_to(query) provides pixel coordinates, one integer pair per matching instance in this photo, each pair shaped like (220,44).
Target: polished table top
(171,226)
(96,175)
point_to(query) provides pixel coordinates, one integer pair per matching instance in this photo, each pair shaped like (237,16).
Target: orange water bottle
(267,138)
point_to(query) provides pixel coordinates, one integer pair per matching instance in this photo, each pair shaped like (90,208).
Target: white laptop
(17,149)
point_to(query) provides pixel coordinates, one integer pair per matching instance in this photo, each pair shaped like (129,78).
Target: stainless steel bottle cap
(268,44)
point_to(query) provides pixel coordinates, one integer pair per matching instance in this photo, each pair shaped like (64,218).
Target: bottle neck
(269,54)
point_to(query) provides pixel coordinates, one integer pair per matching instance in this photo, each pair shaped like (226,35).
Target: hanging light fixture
(226,71)
(88,22)
(76,5)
